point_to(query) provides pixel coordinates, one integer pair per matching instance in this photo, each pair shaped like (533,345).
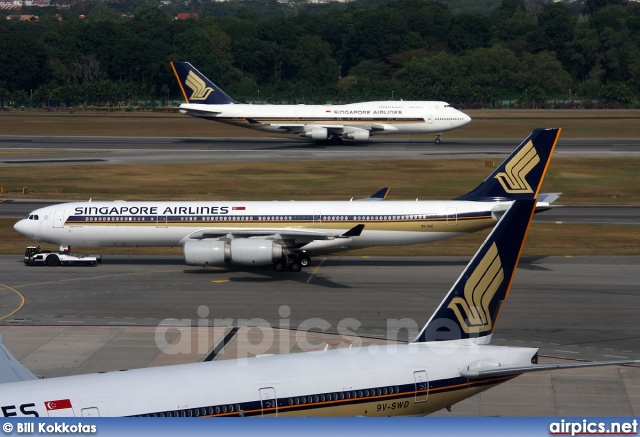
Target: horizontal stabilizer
(518,370)
(199,113)
(10,369)
(548,197)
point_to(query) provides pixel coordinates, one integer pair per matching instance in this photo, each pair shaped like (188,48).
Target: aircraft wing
(10,369)
(301,128)
(518,370)
(280,233)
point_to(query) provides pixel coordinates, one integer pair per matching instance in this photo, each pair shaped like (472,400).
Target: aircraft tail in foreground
(520,176)
(470,309)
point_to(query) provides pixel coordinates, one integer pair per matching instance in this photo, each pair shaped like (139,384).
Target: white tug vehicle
(33,256)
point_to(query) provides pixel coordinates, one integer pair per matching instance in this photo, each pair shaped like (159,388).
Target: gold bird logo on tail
(200,89)
(472,310)
(513,179)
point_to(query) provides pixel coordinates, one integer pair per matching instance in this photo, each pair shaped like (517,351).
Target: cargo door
(452,216)
(422,386)
(269,401)
(58,219)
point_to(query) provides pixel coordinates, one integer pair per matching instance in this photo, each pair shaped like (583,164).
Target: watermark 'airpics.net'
(260,337)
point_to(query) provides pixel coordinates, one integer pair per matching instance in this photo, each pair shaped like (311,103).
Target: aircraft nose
(465,118)
(21,227)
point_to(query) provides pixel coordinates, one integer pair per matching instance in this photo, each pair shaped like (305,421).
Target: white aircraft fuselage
(170,224)
(401,379)
(352,121)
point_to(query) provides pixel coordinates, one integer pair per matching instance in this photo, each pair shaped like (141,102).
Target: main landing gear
(294,262)
(438,136)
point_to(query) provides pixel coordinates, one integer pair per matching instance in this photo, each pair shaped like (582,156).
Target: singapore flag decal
(60,408)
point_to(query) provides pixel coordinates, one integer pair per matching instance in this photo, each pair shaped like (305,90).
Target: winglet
(196,88)
(353,232)
(520,176)
(470,310)
(10,369)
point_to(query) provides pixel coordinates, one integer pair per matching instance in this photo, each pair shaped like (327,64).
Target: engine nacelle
(317,133)
(357,135)
(254,251)
(243,251)
(206,252)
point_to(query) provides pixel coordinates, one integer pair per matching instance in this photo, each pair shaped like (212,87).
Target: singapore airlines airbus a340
(286,234)
(450,360)
(356,121)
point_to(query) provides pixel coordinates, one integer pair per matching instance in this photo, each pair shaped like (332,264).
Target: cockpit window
(33,217)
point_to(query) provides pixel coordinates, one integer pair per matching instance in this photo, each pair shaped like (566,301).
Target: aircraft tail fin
(470,309)
(520,176)
(196,88)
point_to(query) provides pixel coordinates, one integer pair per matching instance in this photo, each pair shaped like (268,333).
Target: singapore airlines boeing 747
(356,121)
(450,360)
(286,234)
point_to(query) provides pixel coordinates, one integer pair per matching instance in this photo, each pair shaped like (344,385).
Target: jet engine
(357,135)
(317,133)
(243,251)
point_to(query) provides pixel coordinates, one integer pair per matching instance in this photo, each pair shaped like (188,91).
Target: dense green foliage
(523,51)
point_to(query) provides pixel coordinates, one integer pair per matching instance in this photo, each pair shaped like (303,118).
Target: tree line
(525,52)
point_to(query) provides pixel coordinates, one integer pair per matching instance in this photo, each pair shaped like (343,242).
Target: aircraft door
(429,118)
(58,219)
(317,219)
(422,386)
(269,401)
(161,221)
(90,412)
(452,216)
